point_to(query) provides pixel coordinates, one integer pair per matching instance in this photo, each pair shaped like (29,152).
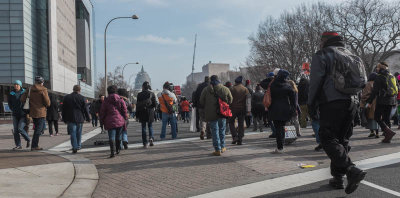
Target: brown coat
(38,102)
(240,96)
(364,97)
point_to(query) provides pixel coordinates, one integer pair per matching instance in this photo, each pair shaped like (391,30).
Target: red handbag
(224,109)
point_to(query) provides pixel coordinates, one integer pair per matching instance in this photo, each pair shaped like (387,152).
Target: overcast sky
(162,39)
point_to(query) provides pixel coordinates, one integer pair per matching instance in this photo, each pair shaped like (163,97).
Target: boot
(377,134)
(354,177)
(337,182)
(388,135)
(117,146)
(371,134)
(112,148)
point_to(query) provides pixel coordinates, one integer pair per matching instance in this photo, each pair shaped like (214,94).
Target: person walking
(372,125)
(257,108)
(123,93)
(113,114)
(385,92)
(282,108)
(38,103)
(185,107)
(249,117)
(93,115)
(336,107)
(18,115)
(240,106)
(204,126)
(302,99)
(264,84)
(52,114)
(167,99)
(98,105)
(75,112)
(146,104)
(209,100)
(295,118)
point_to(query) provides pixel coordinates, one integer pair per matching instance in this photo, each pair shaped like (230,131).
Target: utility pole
(194,55)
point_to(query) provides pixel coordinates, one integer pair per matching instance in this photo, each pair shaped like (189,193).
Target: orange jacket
(185,106)
(166,96)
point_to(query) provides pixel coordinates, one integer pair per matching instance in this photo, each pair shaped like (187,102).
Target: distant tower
(194,55)
(141,77)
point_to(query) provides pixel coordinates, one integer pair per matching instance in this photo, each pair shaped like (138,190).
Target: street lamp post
(123,68)
(105,47)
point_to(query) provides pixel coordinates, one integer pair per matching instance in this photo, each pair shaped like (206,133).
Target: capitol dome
(141,77)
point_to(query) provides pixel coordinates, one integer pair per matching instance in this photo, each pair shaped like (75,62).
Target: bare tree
(370,27)
(113,78)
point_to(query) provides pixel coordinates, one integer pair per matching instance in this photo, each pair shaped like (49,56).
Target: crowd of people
(331,99)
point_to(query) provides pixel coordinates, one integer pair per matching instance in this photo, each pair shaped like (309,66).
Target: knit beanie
(18,82)
(214,80)
(239,79)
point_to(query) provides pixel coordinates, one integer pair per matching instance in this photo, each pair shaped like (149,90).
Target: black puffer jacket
(197,94)
(379,90)
(303,91)
(74,109)
(283,98)
(146,103)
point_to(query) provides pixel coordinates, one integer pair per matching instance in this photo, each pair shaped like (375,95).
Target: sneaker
(51,135)
(151,142)
(217,153)
(223,150)
(354,177)
(337,182)
(74,150)
(277,151)
(28,144)
(17,148)
(318,148)
(56,134)
(372,134)
(377,136)
(234,141)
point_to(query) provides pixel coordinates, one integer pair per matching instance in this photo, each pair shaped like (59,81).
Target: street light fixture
(123,68)
(105,47)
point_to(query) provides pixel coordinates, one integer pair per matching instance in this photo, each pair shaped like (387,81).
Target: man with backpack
(167,99)
(385,90)
(146,103)
(337,76)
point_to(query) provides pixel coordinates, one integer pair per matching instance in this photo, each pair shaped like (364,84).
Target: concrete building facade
(49,38)
(208,69)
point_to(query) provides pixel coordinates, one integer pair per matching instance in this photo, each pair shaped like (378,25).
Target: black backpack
(348,71)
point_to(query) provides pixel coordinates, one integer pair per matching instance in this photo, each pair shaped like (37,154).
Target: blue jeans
(315,127)
(144,135)
(75,131)
(165,119)
(39,127)
(123,137)
(218,133)
(19,124)
(94,119)
(115,133)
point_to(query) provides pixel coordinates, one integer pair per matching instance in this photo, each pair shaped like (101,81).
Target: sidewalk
(187,168)
(44,174)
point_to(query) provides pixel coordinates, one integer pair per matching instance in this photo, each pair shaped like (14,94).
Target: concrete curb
(85,178)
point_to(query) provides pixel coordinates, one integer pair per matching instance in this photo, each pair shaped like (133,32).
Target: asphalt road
(387,177)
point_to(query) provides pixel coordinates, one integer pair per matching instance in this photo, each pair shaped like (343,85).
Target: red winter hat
(247,82)
(329,35)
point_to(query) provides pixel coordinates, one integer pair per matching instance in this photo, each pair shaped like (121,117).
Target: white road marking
(67,145)
(137,145)
(296,180)
(381,188)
